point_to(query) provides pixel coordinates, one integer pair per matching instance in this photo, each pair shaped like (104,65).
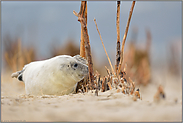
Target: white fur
(52,76)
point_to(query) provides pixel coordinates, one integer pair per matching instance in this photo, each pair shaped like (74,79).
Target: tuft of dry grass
(69,48)
(174,65)
(15,55)
(160,94)
(139,61)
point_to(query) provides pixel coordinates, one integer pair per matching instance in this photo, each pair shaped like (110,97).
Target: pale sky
(44,23)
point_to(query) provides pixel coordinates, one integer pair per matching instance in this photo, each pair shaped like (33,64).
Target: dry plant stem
(96,92)
(149,39)
(103,86)
(118,36)
(124,37)
(7,58)
(124,70)
(104,48)
(105,83)
(89,56)
(109,84)
(130,80)
(86,88)
(86,40)
(108,71)
(20,59)
(98,80)
(82,44)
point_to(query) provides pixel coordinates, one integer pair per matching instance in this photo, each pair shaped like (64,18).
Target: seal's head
(75,67)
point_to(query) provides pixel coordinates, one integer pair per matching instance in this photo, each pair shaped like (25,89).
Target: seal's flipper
(20,78)
(80,59)
(74,89)
(14,75)
(18,75)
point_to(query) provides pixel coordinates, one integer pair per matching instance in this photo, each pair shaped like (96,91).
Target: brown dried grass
(15,55)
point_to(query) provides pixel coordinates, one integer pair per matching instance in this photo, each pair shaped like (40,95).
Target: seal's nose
(87,71)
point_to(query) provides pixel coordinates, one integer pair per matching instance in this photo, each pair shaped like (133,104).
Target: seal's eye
(75,65)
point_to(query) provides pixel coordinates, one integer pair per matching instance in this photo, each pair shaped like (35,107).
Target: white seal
(56,76)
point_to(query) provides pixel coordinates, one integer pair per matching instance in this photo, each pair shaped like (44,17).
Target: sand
(108,106)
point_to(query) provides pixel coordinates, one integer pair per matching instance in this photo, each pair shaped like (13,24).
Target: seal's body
(56,76)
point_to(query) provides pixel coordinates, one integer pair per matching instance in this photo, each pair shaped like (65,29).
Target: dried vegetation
(116,79)
(69,48)
(138,60)
(134,64)
(15,55)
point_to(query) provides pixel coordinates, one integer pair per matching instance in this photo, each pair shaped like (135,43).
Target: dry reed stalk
(97,74)
(130,80)
(132,86)
(123,90)
(14,62)
(124,37)
(149,40)
(100,83)
(10,62)
(83,89)
(86,40)
(118,37)
(160,94)
(98,80)
(109,84)
(30,55)
(96,92)
(108,71)
(103,84)
(20,55)
(111,80)
(82,43)
(87,88)
(104,48)
(136,95)
(125,67)
(95,81)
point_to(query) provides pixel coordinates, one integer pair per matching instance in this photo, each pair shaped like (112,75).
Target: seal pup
(56,76)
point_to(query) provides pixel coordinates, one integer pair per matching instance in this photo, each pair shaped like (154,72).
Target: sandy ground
(108,106)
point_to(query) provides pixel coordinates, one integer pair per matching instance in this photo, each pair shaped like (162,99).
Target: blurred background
(34,30)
